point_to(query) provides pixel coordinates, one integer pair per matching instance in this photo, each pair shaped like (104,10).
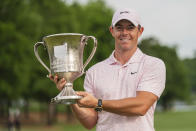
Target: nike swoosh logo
(133,73)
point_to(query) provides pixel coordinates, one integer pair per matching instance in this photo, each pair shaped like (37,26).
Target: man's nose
(125,31)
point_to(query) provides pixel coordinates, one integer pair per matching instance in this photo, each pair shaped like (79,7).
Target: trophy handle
(92,53)
(38,57)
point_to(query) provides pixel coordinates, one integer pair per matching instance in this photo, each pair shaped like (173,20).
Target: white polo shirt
(110,80)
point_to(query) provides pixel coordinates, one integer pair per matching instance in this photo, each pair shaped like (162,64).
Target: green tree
(13,58)
(190,66)
(15,49)
(19,27)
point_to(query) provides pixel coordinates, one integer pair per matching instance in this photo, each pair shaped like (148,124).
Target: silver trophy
(66,60)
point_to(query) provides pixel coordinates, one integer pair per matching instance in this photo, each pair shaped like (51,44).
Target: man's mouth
(125,39)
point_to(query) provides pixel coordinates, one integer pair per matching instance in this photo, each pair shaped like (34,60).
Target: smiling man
(121,92)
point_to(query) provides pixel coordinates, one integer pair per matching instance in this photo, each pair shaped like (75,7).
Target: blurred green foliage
(191,69)
(25,22)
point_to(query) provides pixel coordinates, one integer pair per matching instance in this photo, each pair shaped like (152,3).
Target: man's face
(126,35)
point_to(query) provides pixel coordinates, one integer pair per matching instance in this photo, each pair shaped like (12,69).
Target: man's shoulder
(153,61)
(99,65)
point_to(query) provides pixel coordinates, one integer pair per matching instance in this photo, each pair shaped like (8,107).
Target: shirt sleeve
(153,78)
(88,82)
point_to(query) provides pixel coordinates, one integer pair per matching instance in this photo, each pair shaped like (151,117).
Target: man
(121,91)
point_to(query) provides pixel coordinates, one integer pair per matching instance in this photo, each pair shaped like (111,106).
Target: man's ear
(141,31)
(111,30)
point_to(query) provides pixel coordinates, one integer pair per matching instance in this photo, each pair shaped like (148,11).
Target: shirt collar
(137,56)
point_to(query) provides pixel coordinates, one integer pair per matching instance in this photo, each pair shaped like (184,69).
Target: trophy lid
(63,34)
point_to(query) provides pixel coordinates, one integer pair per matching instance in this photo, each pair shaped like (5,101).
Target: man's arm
(131,106)
(86,116)
(138,105)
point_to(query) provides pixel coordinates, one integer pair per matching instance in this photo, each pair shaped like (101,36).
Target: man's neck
(124,56)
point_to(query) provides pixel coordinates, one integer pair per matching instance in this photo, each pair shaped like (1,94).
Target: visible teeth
(124,38)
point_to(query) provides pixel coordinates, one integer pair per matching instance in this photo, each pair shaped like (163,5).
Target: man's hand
(59,83)
(87,101)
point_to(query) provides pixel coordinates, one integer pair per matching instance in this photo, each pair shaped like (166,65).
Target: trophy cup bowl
(65,53)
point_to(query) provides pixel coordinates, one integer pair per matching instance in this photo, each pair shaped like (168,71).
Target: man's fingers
(56,79)
(81,93)
(62,80)
(53,78)
(61,84)
(50,77)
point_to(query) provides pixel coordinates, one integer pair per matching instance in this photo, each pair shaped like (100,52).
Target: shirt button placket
(120,72)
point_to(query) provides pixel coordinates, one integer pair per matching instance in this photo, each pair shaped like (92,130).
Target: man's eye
(119,28)
(130,27)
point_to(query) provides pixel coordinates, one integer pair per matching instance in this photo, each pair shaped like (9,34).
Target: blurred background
(25,91)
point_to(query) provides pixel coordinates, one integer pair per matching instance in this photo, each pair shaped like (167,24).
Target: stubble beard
(125,45)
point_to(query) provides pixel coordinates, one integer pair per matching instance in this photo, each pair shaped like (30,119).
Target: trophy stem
(67,95)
